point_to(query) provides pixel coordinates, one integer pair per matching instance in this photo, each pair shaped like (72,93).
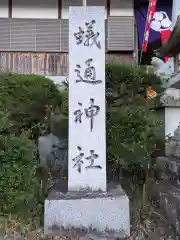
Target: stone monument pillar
(87,130)
(88,202)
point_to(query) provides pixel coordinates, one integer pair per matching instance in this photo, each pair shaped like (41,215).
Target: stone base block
(89,211)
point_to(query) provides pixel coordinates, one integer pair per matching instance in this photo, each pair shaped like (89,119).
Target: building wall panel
(35,9)
(4,12)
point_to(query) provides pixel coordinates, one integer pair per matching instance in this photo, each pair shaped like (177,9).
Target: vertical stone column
(87,135)
(87,204)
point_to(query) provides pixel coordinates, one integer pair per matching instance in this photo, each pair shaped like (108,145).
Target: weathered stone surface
(170,98)
(105,236)
(168,169)
(14,236)
(177,134)
(58,125)
(45,144)
(103,212)
(87,130)
(173,148)
(165,163)
(53,153)
(168,197)
(87,204)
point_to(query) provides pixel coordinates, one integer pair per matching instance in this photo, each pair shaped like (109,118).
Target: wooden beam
(108,7)
(59,8)
(10,8)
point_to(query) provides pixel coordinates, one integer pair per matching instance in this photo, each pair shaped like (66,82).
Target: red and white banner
(164,37)
(162,24)
(150,14)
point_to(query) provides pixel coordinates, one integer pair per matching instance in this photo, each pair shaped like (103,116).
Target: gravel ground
(154,228)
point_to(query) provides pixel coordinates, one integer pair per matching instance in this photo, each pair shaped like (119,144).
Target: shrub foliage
(131,123)
(18,162)
(26,98)
(26,103)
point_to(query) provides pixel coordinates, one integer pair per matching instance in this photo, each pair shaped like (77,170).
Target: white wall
(121,8)
(98,3)
(35,9)
(49,8)
(172,114)
(4,8)
(117,7)
(172,119)
(67,3)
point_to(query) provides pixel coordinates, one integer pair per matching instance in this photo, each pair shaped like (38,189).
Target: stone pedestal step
(80,235)
(98,212)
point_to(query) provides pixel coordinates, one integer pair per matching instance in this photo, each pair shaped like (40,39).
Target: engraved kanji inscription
(78,114)
(91,112)
(88,36)
(78,160)
(89,74)
(79,36)
(92,157)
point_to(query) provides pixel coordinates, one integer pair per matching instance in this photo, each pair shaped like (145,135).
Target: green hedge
(26,102)
(18,185)
(132,125)
(26,97)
